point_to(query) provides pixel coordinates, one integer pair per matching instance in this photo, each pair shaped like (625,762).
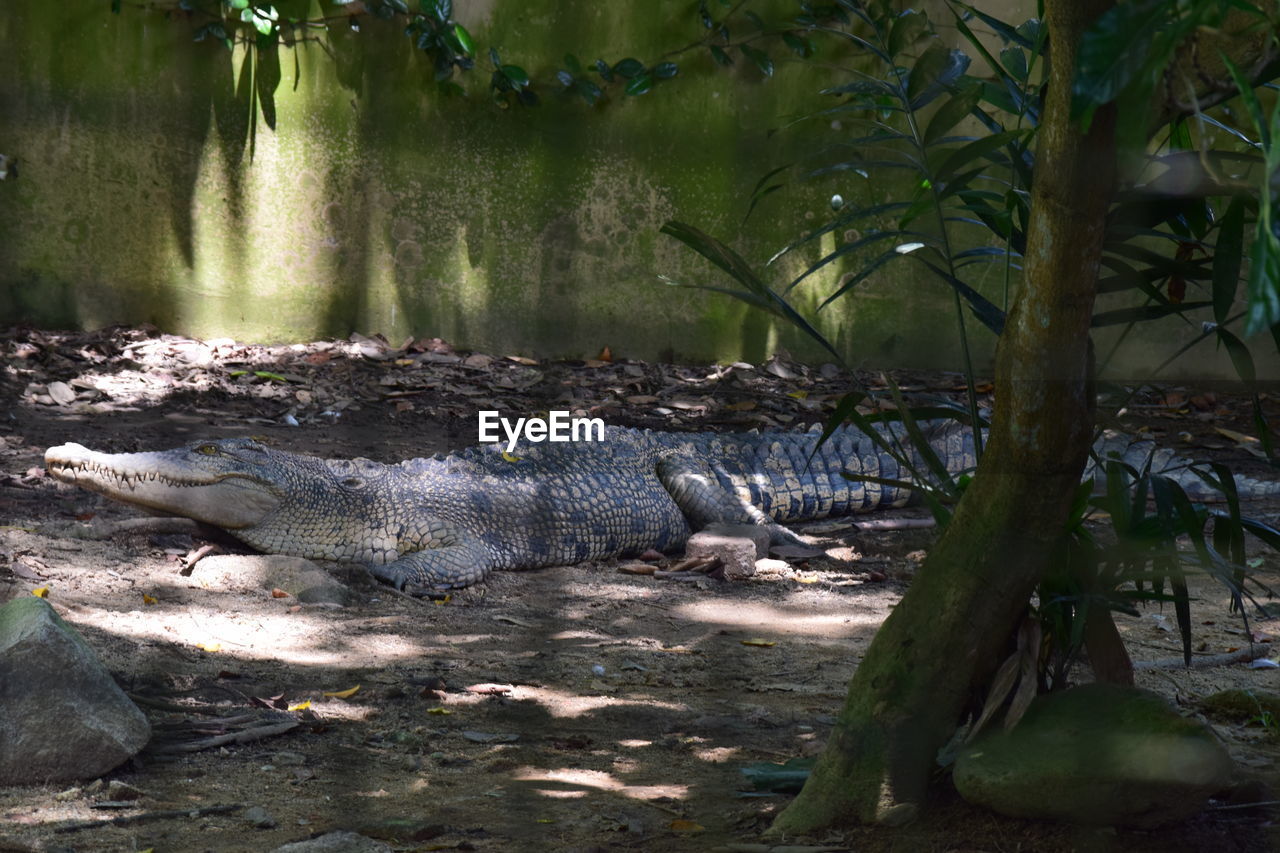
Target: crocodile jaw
(163,482)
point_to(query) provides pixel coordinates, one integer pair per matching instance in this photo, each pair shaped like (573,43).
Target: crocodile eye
(208,449)
(353,483)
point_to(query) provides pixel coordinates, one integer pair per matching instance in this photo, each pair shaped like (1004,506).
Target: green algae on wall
(152,190)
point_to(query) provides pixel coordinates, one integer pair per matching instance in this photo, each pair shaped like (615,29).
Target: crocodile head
(235,483)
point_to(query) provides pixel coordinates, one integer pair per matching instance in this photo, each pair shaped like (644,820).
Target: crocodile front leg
(446,567)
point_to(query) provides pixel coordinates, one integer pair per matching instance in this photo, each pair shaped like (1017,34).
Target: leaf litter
(636,699)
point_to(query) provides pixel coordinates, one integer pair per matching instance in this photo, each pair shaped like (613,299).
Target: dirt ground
(565,709)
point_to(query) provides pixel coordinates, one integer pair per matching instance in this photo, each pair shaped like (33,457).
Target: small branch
(246,736)
(166,814)
(1242,656)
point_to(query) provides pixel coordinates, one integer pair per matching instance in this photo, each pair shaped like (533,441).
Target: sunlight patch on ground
(717,755)
(566,705)
(287,637)
(844,622)
(598,780)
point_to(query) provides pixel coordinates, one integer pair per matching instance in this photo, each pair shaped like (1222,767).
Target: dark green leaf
(602,68)
(443,10)
(733,264)
(933,69)
(908,28)
(1002,29)
(589,91)
(981,147)
(1015,62)
(518,76)
(1241,359)
(629,68)
(1114,51)
(493,57)
(571,62)
(1264,280)
(951,113)
(1142,313)
(718,53)
(802,47)
(665,70)
(639,84)
(759,57)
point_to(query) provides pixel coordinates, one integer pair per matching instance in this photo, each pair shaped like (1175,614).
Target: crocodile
(449,520)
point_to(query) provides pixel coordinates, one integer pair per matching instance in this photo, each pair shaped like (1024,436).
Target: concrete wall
(152,189)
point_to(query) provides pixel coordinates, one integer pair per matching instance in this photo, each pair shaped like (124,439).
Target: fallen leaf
(300,706)
(40,592)
(438,711)
(61,393)
(343,694)
(210,647)
(149,599)
(606,354)
(760,643)
(508,457)
(682,825)
(277,592)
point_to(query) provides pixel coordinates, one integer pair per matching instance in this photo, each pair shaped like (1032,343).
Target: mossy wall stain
(152,190)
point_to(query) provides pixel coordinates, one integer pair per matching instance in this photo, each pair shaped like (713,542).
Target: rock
(254,573)
(336,842)
(258,818)
(737,545)
(62,717)
(117,790)
(1098,754)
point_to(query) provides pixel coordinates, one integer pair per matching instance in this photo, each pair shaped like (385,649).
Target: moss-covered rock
(1097,754)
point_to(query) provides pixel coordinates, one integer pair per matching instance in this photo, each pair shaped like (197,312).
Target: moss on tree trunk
(942,641)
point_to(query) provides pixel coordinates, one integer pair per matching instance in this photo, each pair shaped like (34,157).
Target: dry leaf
(301,706)
(442,712)
(277,592)
(40,592)
(343,694)
(61,393)
(210,647)
(756,641)
(682,825)
(149,599)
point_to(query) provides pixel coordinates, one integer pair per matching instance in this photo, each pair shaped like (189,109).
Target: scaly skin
(447,521)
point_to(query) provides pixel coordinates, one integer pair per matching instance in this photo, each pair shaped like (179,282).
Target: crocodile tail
(1139,453)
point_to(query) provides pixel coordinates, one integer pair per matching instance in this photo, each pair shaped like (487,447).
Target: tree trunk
(942,641)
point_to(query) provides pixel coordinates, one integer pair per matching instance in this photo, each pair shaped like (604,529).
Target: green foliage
(1139,560)
(965,140)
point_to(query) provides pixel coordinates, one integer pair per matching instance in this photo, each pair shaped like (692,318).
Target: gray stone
(62,717)
(737,545)
(336,842)
(258,818)
(1098,754)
